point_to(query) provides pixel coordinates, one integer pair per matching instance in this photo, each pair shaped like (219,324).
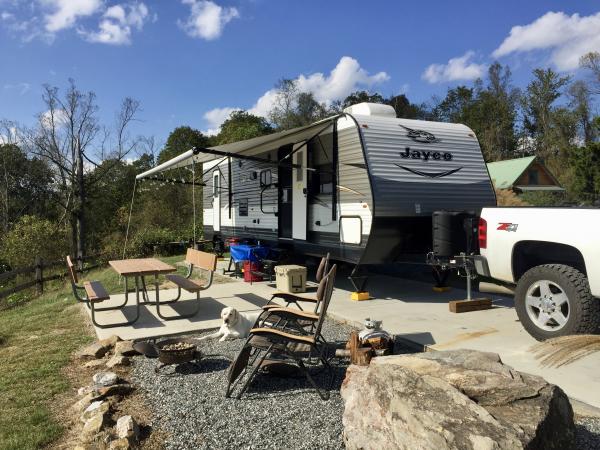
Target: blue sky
(190,62)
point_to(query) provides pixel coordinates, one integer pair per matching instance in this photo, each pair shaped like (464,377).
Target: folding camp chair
(93,293)
(291,344)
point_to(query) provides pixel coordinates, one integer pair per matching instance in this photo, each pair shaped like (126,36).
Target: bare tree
(68,135)
(591,61)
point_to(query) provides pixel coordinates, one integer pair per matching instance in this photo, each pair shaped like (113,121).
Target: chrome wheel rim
(547,305)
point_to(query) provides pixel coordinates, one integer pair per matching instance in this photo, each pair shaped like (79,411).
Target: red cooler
(249,267)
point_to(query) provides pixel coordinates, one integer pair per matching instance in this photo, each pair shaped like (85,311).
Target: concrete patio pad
(408,308)
(150,326)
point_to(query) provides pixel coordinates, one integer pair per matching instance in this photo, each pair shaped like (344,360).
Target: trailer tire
(555,300)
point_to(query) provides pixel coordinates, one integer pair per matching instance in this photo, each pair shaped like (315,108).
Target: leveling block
(359,296)
(476,304)
(440,289)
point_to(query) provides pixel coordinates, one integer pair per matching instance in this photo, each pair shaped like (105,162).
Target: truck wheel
(555,300)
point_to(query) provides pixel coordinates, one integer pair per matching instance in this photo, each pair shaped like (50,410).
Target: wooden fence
(37,269)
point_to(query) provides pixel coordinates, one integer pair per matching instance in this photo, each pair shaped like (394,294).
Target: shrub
(506,197)
(150,241)
(33,237)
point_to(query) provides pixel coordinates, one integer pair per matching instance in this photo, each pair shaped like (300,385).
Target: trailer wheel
(555,300)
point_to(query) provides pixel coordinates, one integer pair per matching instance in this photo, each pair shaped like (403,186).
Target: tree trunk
(80,209)
(73,225)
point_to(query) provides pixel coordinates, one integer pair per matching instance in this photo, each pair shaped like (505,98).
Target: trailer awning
(249,147)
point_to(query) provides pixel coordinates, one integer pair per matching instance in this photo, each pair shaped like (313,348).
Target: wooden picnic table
(140,268)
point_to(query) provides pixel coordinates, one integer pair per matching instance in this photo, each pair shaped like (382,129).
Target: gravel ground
(190,404)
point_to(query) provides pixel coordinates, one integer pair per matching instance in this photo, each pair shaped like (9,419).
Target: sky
(191,62)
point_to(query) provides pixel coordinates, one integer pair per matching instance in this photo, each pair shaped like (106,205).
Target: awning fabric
(248,147)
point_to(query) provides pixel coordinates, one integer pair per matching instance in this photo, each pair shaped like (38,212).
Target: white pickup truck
(551,256)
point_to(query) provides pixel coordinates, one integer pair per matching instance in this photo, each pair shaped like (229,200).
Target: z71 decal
(506,226)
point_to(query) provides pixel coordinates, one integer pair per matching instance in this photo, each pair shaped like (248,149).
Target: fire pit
(177,351)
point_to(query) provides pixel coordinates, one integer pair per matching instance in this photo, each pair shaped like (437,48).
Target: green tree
(580,102)
(33,237)
(25,186)
(540,113)
(362,97)
(494,113)
(241,125)
(585,162)
(457,106)
(293,108)
(404,108)
(180,140)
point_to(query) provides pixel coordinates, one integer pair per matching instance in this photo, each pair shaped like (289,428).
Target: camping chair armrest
(281,335)
(292,313)
(288,297)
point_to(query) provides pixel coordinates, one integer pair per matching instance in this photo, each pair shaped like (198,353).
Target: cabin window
(243,207)
(533,177)
(320,154)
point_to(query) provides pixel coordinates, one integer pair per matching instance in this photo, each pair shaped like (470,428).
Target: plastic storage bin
(291,278)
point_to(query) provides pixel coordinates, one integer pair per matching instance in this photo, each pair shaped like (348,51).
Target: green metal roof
(505,173)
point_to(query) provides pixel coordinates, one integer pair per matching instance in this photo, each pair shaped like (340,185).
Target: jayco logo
(420,135)
(425,155)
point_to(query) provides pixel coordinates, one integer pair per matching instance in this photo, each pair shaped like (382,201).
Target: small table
(139,269)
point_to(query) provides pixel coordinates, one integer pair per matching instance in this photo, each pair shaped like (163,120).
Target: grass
(37,339)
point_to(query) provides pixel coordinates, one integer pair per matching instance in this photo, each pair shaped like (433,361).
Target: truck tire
(555,300)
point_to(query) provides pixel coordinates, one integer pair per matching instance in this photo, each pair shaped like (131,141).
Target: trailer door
(299,191)
(216,201)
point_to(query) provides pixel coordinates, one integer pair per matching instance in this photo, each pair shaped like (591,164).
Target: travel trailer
(362,185)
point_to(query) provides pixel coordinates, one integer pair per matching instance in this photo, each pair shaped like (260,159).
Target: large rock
(95,350)
(125,348)
(110,341)
(127,427)
(95,408)
(118,361)
(105,378)
(460,399)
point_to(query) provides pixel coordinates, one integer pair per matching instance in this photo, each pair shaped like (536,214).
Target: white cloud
(215,117)
(64,13)
(207,19)
(117,24)
(346,77)
(566,37)
(10,135)
(47,119)
(22,88)
(459,68)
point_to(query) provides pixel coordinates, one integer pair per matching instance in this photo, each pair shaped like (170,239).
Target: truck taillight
(482,233)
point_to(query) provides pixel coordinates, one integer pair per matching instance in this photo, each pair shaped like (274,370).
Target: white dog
(235,324)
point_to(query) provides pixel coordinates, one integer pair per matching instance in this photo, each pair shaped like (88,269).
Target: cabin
(362,185)
(523,175)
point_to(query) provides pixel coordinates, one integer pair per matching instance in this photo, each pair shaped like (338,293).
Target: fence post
(39,275)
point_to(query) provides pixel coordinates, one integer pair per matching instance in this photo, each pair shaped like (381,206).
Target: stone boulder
(105,378)
(125,348)
(460,399)
(118,361)
(127,427)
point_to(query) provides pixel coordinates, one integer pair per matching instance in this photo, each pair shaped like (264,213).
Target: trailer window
(320,154)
